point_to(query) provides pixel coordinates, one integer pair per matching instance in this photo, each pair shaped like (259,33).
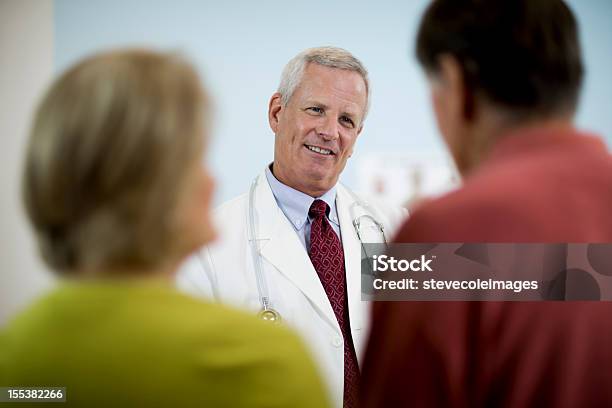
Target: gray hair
(332,57)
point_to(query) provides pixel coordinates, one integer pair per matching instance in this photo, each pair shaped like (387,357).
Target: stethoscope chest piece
(270,315)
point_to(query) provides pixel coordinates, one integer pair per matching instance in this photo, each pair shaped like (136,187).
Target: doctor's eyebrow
(310,104)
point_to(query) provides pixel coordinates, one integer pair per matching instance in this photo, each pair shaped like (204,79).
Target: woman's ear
(274,108)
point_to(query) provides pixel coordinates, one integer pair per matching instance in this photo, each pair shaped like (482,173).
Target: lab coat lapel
(352,259)
(281,247)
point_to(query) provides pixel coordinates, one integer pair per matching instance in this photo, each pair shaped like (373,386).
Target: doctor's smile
(320,150)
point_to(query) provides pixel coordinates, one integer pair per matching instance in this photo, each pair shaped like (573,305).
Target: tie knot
(318,208)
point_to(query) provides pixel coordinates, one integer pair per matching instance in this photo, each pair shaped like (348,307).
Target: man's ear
(358,133)
(462,97)
(274,108)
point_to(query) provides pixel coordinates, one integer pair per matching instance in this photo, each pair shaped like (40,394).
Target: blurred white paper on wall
(406,178)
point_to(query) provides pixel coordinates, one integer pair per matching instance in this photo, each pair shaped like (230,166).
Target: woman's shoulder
(225,322)
(227,345)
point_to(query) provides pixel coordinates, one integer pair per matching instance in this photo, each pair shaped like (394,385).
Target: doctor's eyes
(345,120)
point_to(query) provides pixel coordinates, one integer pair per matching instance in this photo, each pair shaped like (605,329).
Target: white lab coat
(224,271)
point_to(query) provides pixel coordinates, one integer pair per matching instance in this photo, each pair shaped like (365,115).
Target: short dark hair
(521,55)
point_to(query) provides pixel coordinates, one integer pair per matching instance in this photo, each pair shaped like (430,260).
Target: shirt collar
(295,204)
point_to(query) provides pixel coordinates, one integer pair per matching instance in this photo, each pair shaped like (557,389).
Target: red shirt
(537,186)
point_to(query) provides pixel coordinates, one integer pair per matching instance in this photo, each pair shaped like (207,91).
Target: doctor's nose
(328,130)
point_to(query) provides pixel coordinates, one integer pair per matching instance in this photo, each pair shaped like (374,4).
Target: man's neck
(492,129)
(302,189)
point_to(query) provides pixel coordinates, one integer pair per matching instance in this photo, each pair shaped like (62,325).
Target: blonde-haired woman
(118,197)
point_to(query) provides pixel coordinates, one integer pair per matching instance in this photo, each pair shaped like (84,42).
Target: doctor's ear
(274,108)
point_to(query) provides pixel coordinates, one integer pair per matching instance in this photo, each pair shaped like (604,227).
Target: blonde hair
(111,143)
(332,57)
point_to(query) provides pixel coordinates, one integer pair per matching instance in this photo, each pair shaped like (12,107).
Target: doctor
(290,248)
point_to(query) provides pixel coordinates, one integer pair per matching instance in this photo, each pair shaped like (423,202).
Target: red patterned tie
(328,260)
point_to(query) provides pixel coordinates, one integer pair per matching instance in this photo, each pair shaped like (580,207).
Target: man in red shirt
(505,78)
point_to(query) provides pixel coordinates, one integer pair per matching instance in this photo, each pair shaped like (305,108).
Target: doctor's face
(317,129)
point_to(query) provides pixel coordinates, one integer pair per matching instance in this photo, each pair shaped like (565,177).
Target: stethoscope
(267,312)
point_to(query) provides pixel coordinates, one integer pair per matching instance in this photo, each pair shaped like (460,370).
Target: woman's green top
(147,345)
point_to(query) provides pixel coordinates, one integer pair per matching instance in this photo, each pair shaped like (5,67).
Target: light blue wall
(241,47)
(595,20)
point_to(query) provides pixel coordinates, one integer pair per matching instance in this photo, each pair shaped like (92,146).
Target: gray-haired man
(290,247)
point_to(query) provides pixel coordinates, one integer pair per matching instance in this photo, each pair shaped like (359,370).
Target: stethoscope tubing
(268,312)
